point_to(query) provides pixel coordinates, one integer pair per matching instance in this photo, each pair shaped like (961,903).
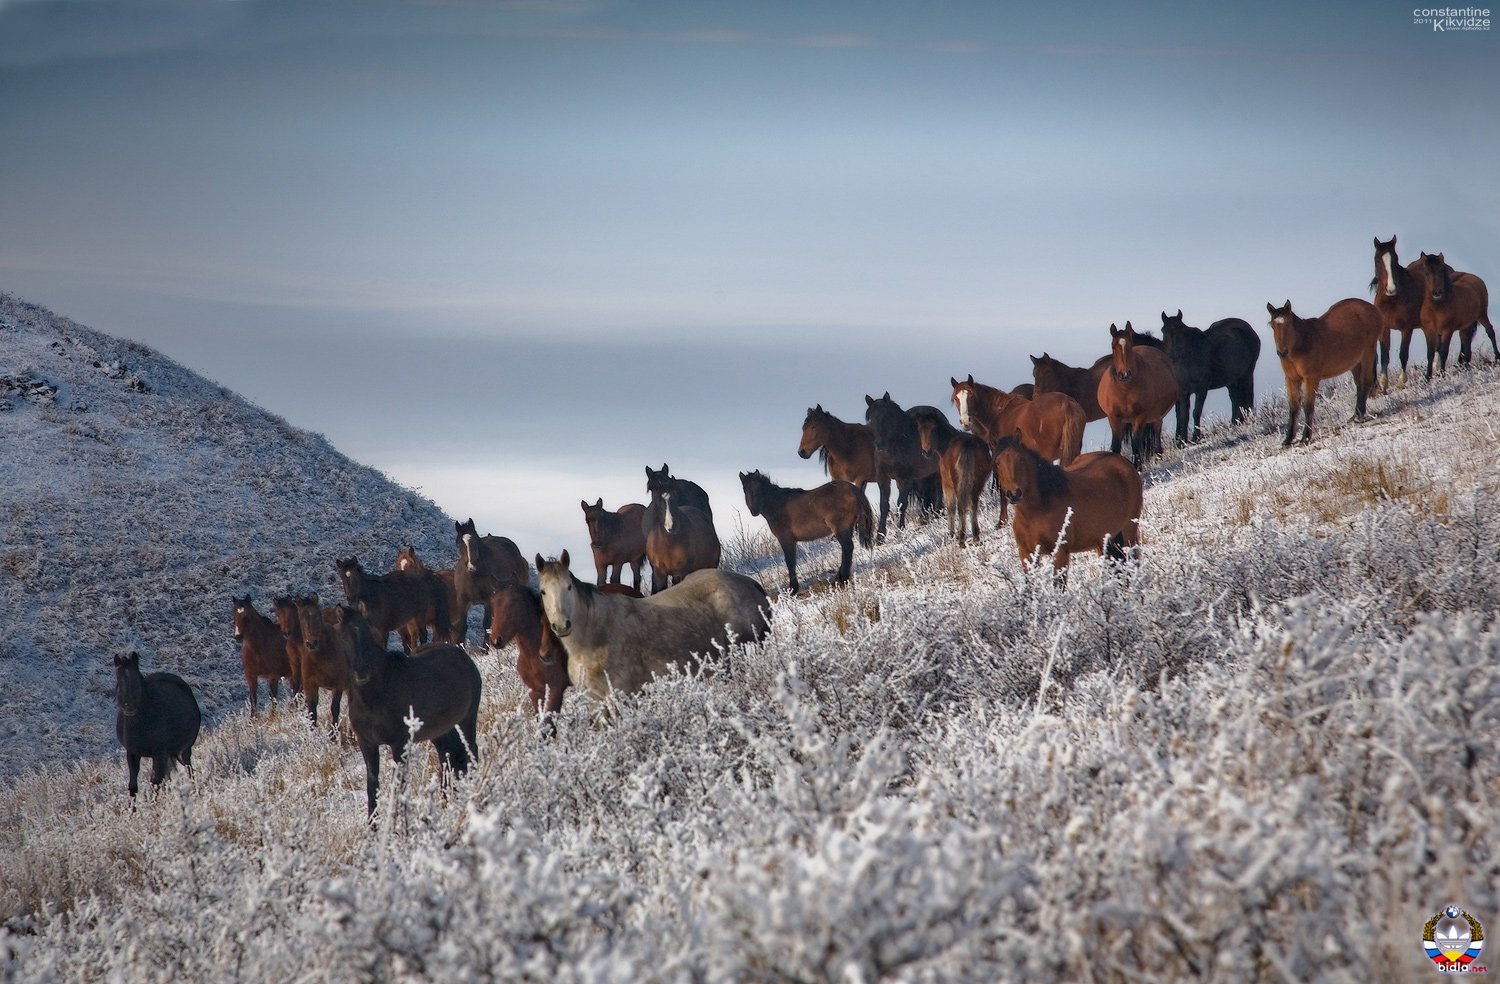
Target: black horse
(682,491)
(1223,356)
(899,456)
(157,717)
(438,684)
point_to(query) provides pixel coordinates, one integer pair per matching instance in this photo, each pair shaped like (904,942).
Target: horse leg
(1199,398)
(1293,407)
(635,572)
(846,552)
(1311,402)
(311,694)
(1432,348)
(1445,344)
(885,506)
(161,765)
(371,753)
(1405,352)
(789,551)
(1184,403)
(1385,361)
(1466,345)
(253,684)
(273,684)
(133,765)
(1116,435)
(335,701)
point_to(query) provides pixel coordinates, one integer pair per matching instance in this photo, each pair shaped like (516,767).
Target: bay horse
(1399,291)
(687,493)
(617,644)
(1223,356)
(899,457)
(438,684)
(1343,339)
(284,608)
(405,602)
(262,651)
(156,717)
(679,539)
(484,563)
(1053,376)
(1051,423)
(327,657)
(458,618)
(618,539)
(847,453)
(1136,392)
(1452,302)
(835,509)
(1093,504)
(964,464)
(541,659)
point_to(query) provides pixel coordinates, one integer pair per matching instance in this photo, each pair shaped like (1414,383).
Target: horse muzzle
(804,454)
(1281,353)
(562,631)
(1012,496)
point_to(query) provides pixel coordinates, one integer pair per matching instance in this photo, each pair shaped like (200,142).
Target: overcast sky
(513,252)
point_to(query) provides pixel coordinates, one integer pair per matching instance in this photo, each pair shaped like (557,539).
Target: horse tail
(864,519)
(1114,547)
(1072,436)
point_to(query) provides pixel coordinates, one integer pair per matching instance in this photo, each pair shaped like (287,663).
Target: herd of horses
(608,637)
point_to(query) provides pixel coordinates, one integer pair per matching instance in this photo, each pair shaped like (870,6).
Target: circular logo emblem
(1453,939)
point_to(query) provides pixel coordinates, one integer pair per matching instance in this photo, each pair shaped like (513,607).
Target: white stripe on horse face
(666,508)
(1390,274)
(469,550)
(963,408)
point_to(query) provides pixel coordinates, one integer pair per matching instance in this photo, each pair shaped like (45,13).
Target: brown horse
(1452,302)
(285,609)
(964,464)
(325,664)
(1093,504)
(1343,339)
(679,540)
(846,451)
(405,602)
(618,539)
(484,564)
(899,457)
(458,618)
(687,493)
(1050,375)
(1136,392)
(262,650)
(438,685)
(1399,291)
(1051,423)
(541,660)
(835,509)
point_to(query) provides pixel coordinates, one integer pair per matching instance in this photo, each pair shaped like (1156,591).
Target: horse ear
(600,503)
(1179,314)
(1114,330)
(1017,437)
(953,382)
(1035,361)
(539,561)
(887,395)
(971,379)
(563,560)
(1377,242)
(1270,307)
(869,400)
(583,505)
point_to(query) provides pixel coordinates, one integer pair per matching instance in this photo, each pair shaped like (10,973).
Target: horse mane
(823,457)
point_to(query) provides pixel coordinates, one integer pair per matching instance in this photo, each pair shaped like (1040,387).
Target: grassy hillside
(135,499)
(1264,752)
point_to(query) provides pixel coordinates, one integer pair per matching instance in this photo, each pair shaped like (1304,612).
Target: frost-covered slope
(135,499)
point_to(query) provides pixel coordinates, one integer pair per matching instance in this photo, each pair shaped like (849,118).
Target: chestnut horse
(1053,376)
(262,650)
(438,685)
(835,509)
(964,465)
(679,539)
(1452,302)
(1093,504)
(156,717)
(1051,423)
(458,618)
(618,539)
(1136,392)
(1343,339)
(1222,356)
(405,602)
(899,457)
(325,664)
(1399,291)
(847,453)
(484,563)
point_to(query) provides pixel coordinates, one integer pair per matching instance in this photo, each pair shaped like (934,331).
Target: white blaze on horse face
(1390,274)
(469,551)
(963,408)
(666,510)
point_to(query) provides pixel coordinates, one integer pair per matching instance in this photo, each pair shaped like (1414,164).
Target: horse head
(1283,327)
(592,515)
(963,392)
(754,485)
(467,537)
(1385,267)
(1009,462)
(242,612)
(406,559)
(129,686)
(1122,348)
(812,431)
(657,480)
(352,577)
(559,593)
(364,651)
(890,427)
(310,617)
(286,617)
(1436,270)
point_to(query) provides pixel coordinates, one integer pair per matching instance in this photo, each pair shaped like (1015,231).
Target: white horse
(619,643)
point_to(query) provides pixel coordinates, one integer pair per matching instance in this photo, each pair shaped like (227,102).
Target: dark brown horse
(156,717)
(964,465)
(835,509)
(484,564)
(405,602)
(325,664)
(846,451)
(1223,356)
(1093,504)
(1051,423)
(1136,392)
(679,539)
(1053,376)
(262,651)
(1452,303)
(899,457)
(285,609)
(541,660)
(438,685)
(685,493)
(458,617)
(1343,339)
(618,539)
(1399,291)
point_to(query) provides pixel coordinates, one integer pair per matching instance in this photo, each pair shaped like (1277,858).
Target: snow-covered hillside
(135,499)
(1265,752)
